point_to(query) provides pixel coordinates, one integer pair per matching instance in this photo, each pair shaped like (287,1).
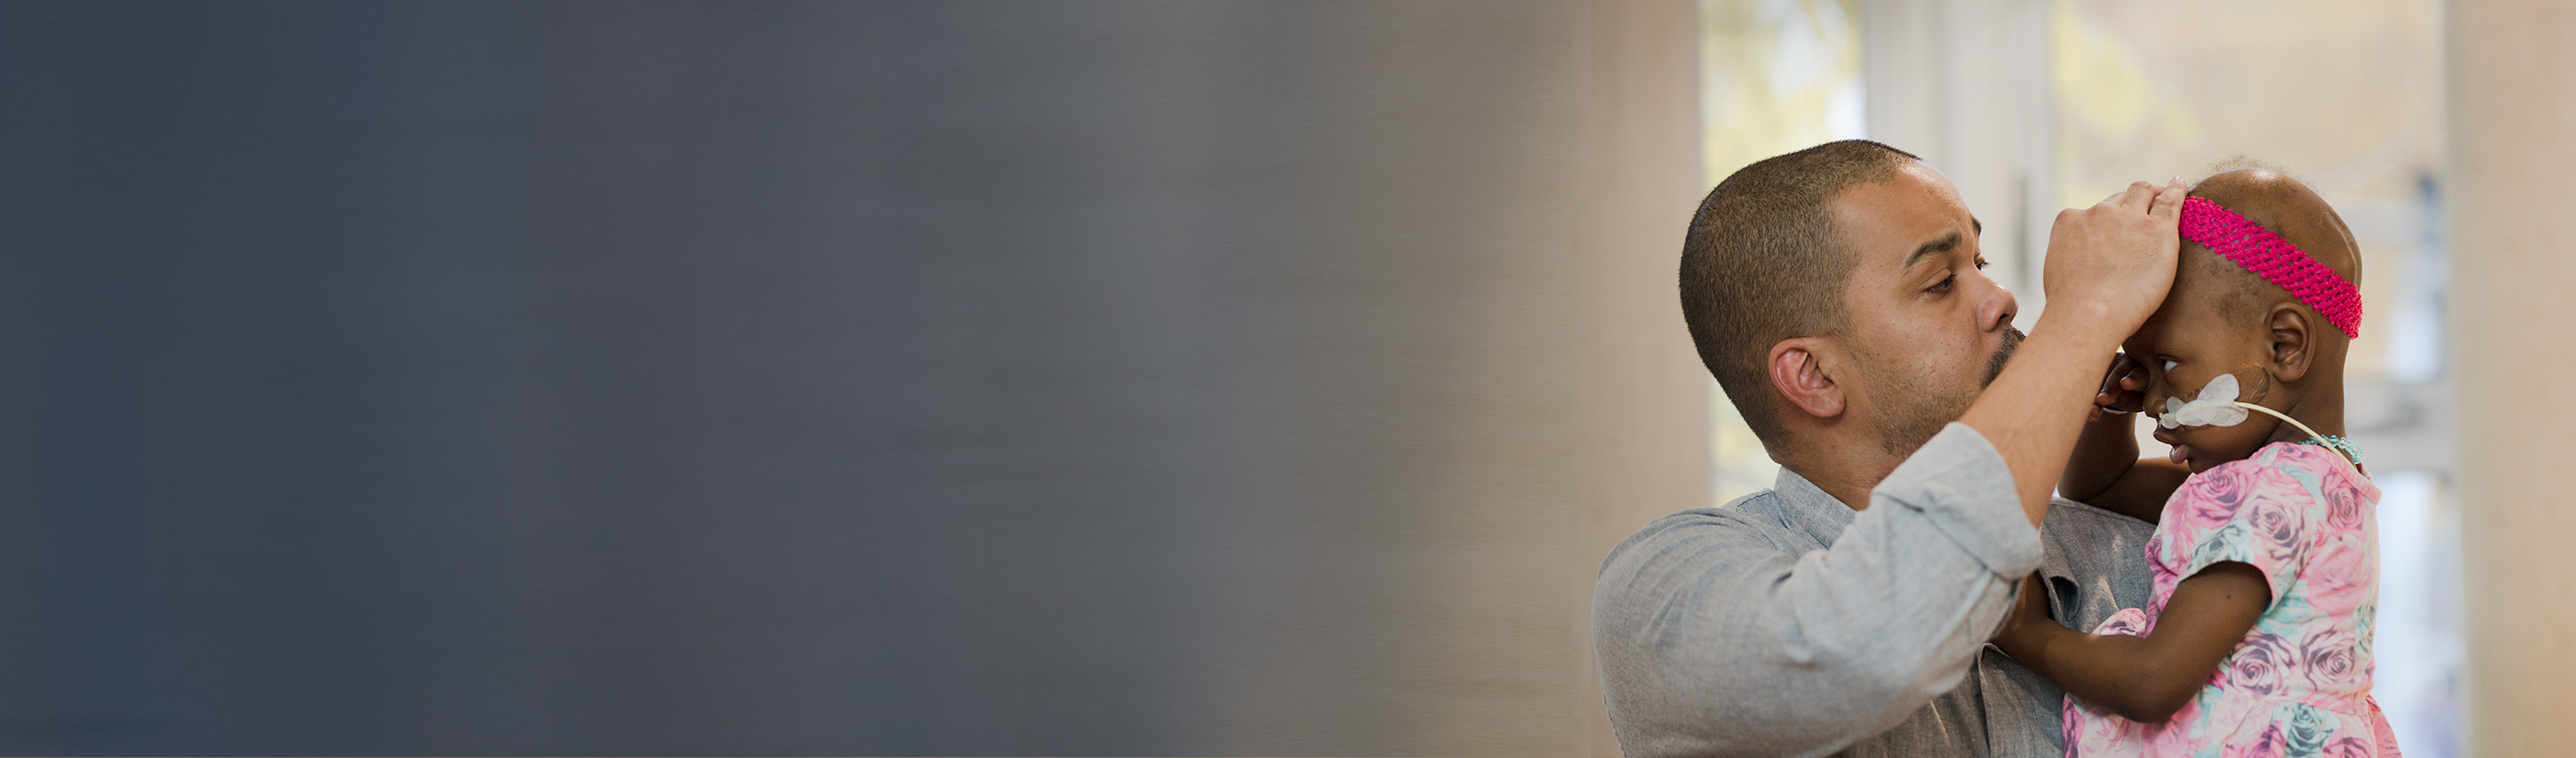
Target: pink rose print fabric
(2299,685)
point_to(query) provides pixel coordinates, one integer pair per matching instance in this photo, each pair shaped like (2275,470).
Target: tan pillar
(2512,79)
(1641,398)
(1965,85)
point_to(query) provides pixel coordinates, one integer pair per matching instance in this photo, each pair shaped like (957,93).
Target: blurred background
(1147,377)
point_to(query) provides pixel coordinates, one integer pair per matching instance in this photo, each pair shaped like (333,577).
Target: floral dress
(2299,685)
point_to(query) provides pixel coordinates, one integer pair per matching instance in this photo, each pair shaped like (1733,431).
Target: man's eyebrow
(1944,244)
(1980,226)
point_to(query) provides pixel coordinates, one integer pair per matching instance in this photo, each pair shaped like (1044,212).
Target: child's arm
(2105,471)
(2144,679)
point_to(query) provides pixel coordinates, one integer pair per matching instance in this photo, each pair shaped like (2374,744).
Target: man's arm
(1715,641)
(2109,267)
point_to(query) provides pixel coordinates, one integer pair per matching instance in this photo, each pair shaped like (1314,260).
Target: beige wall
(2512,118)
(1641,403)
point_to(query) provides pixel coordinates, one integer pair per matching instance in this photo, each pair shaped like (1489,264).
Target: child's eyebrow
(1945,244)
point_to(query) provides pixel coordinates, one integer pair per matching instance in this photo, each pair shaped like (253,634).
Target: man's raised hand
(2115,261)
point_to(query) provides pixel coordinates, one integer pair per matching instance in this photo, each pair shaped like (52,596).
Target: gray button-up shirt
(1787,624)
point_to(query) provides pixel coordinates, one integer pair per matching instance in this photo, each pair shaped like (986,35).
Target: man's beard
(1904,430)
(2003,355)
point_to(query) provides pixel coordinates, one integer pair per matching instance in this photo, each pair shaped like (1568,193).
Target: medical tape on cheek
(2216,405)
(2214,400)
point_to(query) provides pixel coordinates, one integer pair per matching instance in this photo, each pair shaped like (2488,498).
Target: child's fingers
(2126,373)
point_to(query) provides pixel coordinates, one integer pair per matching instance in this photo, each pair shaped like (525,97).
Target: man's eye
(1946,283)
(1981,264)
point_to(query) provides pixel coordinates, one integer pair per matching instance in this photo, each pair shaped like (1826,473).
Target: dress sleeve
(2251,512)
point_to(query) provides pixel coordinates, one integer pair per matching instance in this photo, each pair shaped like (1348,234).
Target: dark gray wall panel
(776,378)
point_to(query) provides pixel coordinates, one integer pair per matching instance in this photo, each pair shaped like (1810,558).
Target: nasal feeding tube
(2216,405)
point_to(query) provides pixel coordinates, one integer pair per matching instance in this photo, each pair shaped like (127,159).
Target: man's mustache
(2003,355)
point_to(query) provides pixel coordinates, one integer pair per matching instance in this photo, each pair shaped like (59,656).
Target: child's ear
(2292,345)
(1800,373)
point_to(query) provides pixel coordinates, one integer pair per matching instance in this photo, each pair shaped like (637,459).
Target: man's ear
(1799,374)
(2292,345)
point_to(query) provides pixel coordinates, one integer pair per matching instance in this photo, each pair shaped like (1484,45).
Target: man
(1836,294)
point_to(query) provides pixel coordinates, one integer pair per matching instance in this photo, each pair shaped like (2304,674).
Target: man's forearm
(2033,412)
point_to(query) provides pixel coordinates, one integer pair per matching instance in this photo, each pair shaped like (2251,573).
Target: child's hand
(2123,388)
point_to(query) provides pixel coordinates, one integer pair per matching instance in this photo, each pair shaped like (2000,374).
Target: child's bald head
(2288,208)
(2221,320)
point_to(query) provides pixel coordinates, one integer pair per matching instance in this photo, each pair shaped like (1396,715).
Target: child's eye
(2169,364)
(1981,263)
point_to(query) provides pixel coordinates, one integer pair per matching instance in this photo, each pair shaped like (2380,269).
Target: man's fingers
(2139,196)
(2167,207)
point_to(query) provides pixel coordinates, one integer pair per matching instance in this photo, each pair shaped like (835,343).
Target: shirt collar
(1809,509)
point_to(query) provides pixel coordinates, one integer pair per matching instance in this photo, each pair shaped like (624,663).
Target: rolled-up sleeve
(1715,639)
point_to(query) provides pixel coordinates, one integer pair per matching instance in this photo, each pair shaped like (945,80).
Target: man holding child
(1836,294)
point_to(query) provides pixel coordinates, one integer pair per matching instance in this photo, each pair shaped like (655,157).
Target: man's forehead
(1901,221)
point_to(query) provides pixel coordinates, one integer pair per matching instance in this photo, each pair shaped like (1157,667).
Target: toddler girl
(2256,641)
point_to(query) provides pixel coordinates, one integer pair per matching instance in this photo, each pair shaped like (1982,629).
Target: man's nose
(1998,310)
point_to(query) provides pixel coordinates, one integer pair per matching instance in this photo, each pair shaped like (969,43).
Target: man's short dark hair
(1762,264)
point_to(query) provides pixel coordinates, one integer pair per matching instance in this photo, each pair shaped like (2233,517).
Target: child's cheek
(2254,384)
(2219,444)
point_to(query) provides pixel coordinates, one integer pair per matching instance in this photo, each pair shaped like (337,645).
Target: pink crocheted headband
(2275,259)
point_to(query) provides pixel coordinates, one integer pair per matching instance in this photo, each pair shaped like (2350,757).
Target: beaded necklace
(2337,443)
